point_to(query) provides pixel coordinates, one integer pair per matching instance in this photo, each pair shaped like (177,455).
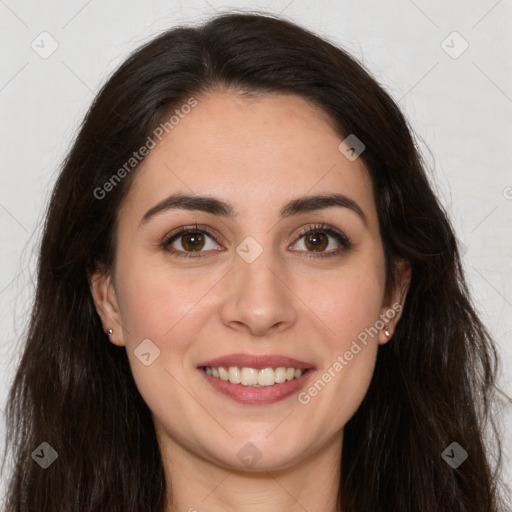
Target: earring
(109,333)
(386,332)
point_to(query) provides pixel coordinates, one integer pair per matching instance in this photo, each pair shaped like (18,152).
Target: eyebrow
(221,208)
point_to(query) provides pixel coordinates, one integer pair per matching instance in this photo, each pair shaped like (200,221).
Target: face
(294,295)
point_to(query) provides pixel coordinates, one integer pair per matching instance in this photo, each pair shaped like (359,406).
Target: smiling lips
(252,376)
(254,380)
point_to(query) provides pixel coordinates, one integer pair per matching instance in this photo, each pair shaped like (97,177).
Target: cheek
(155,302)
(349,309)
(164,305)
(349,303)
(349,355)
(157,305)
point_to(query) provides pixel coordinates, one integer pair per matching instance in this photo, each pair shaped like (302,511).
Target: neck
(196,484)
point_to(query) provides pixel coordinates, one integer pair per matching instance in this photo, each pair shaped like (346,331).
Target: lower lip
(250,395)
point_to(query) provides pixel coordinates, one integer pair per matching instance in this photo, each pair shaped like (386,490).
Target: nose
(259,296)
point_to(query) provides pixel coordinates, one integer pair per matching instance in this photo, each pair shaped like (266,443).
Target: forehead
(253,151)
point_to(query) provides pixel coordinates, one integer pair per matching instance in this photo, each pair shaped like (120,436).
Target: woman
(245,215)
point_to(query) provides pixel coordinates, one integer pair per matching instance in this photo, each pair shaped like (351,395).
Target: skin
(257,152)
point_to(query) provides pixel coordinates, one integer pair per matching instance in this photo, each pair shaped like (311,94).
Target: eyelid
(312,228)
(201,228)
(341,238)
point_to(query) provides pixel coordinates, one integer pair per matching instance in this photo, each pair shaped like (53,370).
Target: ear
(105,301)
(395,300)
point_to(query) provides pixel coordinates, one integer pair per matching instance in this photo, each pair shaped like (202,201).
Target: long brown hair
(432,385)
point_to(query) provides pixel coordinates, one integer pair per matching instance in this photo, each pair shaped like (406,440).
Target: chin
(257,454)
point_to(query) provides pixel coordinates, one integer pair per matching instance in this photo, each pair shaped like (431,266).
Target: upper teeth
(253,376)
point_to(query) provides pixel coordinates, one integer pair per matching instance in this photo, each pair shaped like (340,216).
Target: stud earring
(109,333)
(386,332)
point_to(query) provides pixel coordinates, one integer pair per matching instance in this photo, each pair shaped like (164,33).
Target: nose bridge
(259,268)
(260,298)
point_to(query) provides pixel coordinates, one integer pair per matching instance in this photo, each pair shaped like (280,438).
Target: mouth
(256,380)
(253,376)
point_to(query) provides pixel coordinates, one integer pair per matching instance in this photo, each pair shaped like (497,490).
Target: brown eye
(192,241)
(316,241)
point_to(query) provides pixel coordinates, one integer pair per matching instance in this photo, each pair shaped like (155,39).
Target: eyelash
(341,238)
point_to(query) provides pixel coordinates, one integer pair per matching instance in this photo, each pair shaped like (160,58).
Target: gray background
(459,102)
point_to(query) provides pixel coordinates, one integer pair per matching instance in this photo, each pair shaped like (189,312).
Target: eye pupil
(192,241)
(317,240)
